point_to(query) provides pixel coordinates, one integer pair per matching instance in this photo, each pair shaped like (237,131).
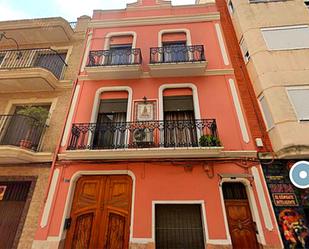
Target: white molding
(49,201)
(262,199)
(171,31)
(155,20)
(70,194)
(284,27)
(222,44)
(239,112)
(253,207)
(124,33)
(68,124)
(87,50)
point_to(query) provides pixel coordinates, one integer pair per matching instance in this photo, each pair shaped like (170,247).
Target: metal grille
(34,58)
(179,226)
(16,191)
(234,191)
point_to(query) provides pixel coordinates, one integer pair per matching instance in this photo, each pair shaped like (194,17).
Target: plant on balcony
(209,141)
(37,118)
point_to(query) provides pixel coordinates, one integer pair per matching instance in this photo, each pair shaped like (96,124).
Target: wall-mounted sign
(145,111)
(285,199)
(2,192)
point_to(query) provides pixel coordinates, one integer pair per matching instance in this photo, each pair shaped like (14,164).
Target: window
(110,127)
(289,37)
(300,101)
(266,113)
(230,7)
(307,3)
(179,121)
(119,54)
(244,50)
(178,226)
(175,51)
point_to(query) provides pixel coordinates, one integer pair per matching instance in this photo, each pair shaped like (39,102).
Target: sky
(68,9)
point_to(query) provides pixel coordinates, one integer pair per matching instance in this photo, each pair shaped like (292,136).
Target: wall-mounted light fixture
(3,36)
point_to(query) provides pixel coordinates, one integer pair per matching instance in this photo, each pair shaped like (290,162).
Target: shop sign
(285,199)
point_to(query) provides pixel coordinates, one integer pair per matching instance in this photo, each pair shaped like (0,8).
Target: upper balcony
(140,139)
(37,31)
(31,70)
(123,63)
(21,139)
(177,60)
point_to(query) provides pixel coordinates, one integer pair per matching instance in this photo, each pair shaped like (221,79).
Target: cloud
(9,13)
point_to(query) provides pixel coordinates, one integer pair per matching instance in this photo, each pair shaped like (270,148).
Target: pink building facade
(157,151)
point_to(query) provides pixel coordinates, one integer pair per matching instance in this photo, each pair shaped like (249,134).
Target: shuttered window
(289,37)
(179,226)
(266,113)
(300,101)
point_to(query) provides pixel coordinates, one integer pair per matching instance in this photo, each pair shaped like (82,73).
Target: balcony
(20,140)
(174,61)
(30,70)
(114,64)
(142,139)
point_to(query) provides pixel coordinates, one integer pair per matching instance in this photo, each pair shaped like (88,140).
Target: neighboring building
(39,61)
(273,38)
(157,152)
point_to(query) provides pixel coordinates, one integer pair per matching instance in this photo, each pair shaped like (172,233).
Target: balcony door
(15,128)
(179,122)
(110,132)
(119,54)
(175,51)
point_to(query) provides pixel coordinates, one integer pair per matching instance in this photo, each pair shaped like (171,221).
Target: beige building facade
(39,62)
(273,36)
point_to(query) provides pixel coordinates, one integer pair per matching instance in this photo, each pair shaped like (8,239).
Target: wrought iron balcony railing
(177,53)
(144,134)
(33,58)
(21,131)
(114,57)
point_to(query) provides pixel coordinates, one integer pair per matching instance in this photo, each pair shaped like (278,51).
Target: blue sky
(69,9)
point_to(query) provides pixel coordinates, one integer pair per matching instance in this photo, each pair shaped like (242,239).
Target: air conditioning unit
(143,137)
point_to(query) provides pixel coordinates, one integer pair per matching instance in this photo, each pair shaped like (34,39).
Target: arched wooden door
(241,226)
(100,215)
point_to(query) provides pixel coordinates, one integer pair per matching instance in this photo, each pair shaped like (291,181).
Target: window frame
(245,54)
(287,89)
(268,128)
(283,28)
(203,215)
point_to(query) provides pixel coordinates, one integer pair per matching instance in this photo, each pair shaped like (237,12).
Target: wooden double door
(100,215)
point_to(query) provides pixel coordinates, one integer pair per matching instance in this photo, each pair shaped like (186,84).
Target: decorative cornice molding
(166,153)
(154,20)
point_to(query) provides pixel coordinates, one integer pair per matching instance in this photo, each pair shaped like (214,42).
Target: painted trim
(253,207)
(68,125)
(87,50)
(239,112)
(49,200)
(171,31)
(196,102)
(70,194)
(113,34)
(222,44)
(203,214)
(96,103)
(262,199)
(214,16)
(285,27)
